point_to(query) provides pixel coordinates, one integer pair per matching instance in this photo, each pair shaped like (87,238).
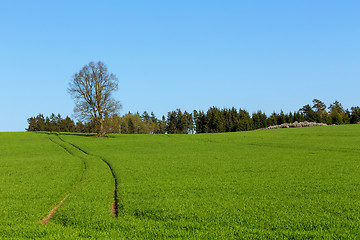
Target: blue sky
(254,55)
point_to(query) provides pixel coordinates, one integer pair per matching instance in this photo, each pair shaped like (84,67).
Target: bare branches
(92,90)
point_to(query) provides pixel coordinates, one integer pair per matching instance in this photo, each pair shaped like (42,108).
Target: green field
(285,183)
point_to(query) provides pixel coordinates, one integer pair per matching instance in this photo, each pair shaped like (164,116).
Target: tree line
(214,120)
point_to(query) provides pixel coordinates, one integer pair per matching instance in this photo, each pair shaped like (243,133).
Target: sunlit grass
(286,183)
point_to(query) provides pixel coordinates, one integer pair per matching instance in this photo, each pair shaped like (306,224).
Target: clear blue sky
(255,55)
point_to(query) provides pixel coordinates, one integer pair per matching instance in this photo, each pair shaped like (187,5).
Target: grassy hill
(285,183)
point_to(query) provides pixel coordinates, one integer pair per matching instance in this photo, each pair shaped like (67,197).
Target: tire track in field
(115,204)
(46,219)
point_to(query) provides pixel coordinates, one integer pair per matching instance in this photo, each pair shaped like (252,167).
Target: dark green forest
(214,120)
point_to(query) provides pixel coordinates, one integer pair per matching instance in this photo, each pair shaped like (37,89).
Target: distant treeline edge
(214,120)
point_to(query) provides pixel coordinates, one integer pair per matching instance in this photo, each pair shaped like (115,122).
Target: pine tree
(355,115)
(171,126)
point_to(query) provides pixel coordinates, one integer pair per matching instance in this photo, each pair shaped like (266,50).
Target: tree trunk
(100,127)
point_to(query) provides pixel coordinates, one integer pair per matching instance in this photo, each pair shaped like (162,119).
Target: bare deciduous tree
(92,90)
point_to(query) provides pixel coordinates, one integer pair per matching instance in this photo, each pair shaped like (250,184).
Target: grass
(35,175)
(285,183)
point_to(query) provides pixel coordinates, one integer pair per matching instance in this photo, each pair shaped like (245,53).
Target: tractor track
(114,207)
(46,219)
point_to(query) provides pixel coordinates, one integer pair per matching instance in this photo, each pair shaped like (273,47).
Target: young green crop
(35,174)
(286,183)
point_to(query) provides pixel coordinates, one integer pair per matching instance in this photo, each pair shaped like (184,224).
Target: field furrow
(62,144)
(90,203)
(114,206)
